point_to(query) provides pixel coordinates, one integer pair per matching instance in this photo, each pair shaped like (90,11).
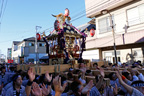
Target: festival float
(65,43)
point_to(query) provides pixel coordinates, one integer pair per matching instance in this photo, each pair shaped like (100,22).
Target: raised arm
(140,75)
(46,91)
(48,77)
(31,78)
(36,91)
(57,86)
(124,78)
(98,85)
(126,86)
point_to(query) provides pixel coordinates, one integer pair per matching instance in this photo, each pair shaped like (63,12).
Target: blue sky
(21,16)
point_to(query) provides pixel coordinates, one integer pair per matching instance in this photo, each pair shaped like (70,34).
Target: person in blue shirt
(3,76)
(17,89)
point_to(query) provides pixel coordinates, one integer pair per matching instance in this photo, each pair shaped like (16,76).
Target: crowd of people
(124,80)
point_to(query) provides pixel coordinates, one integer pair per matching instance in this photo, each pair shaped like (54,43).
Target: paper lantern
(38,36)
(66,12)
(92,32)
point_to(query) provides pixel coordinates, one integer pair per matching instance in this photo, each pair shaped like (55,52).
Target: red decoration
(92,32)
(38,36)
(66,12)
(10,61)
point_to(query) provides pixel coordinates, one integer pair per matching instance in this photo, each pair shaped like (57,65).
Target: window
(31,60)
(135,15)
(41,44)
(118,59)
(31,44)
(104,24)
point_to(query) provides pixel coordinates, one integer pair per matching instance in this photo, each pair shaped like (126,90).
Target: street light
(112,26)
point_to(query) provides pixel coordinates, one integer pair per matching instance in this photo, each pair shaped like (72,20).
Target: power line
(14,39)
(1,12)
(1,8)
(75,17)
(4,10)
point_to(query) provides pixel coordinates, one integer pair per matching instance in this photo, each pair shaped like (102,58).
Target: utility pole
(113,32)
(36,47)
(112,25)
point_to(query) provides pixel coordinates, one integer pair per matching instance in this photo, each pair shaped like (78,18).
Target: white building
(128,22)
(24,51)
(9,51)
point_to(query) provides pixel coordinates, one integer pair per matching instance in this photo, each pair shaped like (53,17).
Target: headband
(37,77)
(71,69)
(138,85)
(16,77)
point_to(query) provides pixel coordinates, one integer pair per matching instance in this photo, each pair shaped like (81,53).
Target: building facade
(24,51)
(121,21)
(9,55)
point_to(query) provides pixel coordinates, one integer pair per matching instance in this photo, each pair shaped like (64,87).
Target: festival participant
(30,82)
(11,73)
(17,89)
(139,85)
(45,79)
(132,91)
(113,79)
(137,75)
(6,67)
(70,76)
(3,76)
(34,88)
(81,75)
(133,75)
(79,90)
(71,70)
(119,64)
(82,69)
(88,73)
(6,88)
(59,89)
(95,65)
(37,91)
(89,90)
